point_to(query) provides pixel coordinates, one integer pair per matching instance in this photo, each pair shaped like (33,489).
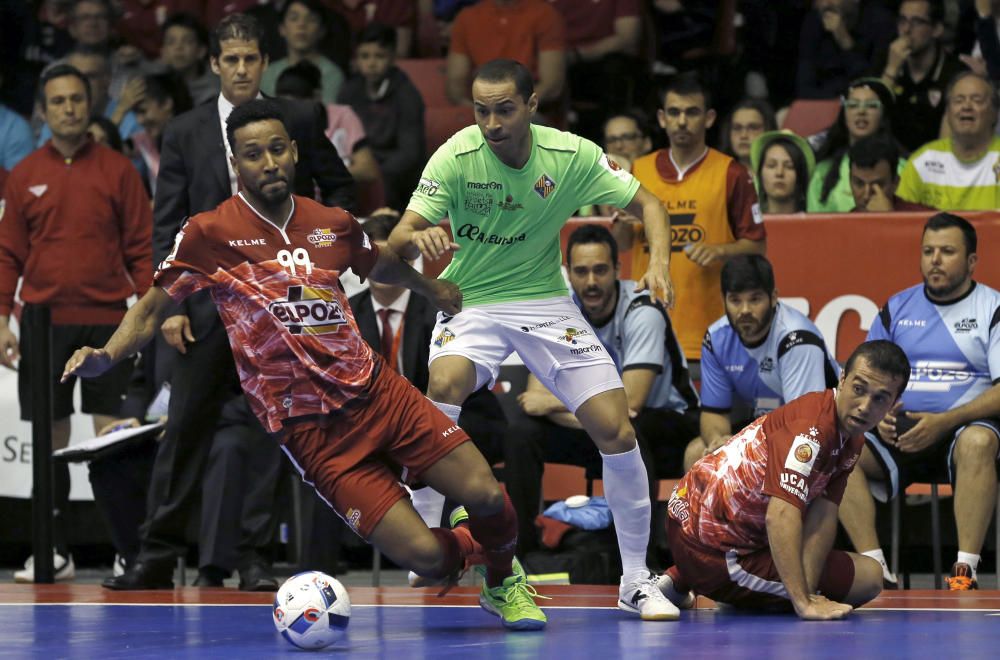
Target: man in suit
(195,176)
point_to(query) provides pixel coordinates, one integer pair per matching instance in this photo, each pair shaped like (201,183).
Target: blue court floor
(103,631)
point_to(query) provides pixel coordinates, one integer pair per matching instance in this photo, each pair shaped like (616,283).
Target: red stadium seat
(428,75)
(807,116)
(441,123)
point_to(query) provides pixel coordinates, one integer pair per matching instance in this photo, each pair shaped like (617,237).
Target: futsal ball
(311,610)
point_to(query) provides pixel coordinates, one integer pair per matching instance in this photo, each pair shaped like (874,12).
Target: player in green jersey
(508,186)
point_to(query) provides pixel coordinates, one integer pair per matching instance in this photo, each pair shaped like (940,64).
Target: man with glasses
(918,69)
(960,172)
(713,209)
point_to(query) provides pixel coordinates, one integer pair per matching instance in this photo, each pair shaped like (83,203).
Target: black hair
(838,138)
(801,172)
(762,107)
(110,129)
(944,220)
(685,84)
(499,71)
(747,272)
(299,81)
(250,112)
(314,6)
(379,225)
(885,356)
(60,71)
(377,33)
(242,27)
(641,122)
(871,150)
(111,9)
(935,9)
(592,233)
(163,86)
(189,21)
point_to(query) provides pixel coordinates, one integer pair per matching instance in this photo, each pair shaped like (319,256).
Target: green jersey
(506,221)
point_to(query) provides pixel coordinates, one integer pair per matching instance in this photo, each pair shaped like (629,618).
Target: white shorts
(550,335)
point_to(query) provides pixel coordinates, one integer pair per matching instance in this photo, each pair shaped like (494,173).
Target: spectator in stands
(760,355)
(713,208)
(747,121)
(662,402)
(164,97)
(959,172)
(528,31)
(16,140)
(399,324)
(783,163)
(978,37)
(195,176)
(96,66)
(343,126)
(945,428)
(142,22)
(400,15)
(91,24)
(917,70)
(873,177)
(71,202)
(841,40)
(865,110)
(303,26)
(103,131)
(185,52)
(604,72)
(626,137)
(391,110)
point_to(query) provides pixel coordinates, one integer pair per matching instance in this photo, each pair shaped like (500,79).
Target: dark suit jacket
(482,417)
(194,176)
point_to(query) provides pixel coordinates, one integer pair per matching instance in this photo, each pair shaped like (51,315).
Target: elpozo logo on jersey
(309,310)
(321,238)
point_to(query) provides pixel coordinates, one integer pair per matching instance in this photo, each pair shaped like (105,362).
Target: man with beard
(637,334)
(762,353)
(351,425)
(946,426)
(959,172)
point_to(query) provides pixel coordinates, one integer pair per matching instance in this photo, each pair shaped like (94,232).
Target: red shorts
(748,580)
(357,457)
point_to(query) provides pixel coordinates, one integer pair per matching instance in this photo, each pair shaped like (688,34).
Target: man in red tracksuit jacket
(76,225)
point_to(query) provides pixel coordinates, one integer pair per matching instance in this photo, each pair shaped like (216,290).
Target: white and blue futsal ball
(311,610)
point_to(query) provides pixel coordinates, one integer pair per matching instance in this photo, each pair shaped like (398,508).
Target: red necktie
(384,315)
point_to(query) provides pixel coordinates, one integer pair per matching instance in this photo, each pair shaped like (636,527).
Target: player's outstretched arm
(415,235)
(818,536)
(784,534)
(390,269)
(134,332)
(656,223)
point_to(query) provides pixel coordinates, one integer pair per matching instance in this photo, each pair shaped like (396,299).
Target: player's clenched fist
(87,362)
(433,242)
(445,295)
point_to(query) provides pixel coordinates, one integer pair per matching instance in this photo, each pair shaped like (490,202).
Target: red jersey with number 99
(296,344)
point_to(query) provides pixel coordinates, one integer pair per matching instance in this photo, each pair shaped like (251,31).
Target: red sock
(451,548)
(498,536)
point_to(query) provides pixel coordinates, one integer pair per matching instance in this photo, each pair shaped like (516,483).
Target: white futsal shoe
(64,569)
(643,597)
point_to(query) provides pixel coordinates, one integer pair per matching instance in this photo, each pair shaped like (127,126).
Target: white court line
(353,605)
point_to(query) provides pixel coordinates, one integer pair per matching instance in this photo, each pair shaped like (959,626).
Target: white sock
(626,487)
(429,504)
(970,559)
(452,412)
(879,556)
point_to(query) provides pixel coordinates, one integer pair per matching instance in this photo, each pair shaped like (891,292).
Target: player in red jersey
(352,427)
(752,524)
